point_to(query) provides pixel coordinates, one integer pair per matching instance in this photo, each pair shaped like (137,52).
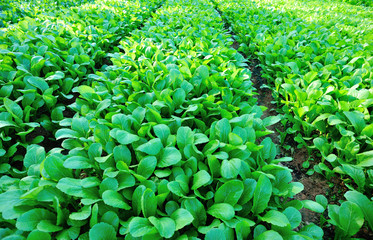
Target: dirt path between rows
(313,185)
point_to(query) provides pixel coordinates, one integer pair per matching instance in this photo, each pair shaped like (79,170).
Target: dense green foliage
(137,120)
(321,77)
(367,3)
(12,11)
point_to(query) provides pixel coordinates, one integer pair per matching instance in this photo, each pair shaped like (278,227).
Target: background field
(197,119)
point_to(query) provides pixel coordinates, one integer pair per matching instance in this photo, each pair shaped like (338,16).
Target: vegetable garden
(142,119)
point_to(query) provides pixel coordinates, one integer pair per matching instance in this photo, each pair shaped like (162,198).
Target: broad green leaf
(102,231)
(37,235)
(147,166)
(162,131)
(356,119)
(111,218)
(356,173)
(203,72)
(80,125)
(182,218)
(230,168)
(248,192)
(230,192)
(115,199)
(170,156)
(148,203)
(139,227)
(77,162)
(125,137)
(196,208)
(70,186)
(364,203)
(351,218)
(48,226)
(222,130)
(10,198)
(13,108)
(35,155)
(223,211)
(152,147)
(57,75)
(276,218)
(165,226)
(30,219)
(200,178)
(271,234)
(184,137)
(122,153)
(37,82)
(313,206)
(294,216)
(83,214)
(262,194)
(215,233)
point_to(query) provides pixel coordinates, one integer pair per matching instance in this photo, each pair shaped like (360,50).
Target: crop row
(367,3)
(162,143)
(12,11)
(44,58)
(322,80)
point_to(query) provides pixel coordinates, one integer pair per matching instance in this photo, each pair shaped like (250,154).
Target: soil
(315,184)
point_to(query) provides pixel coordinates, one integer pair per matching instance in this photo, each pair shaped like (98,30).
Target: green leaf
(230,192)
(48,226)
(77,162)
(111,218)
(223,211)
(276,218)
(351,218)
(122,153)
(170,156)
(356,173)
(102,231)
(230,168)
(83,214)
(37,235)
(364,203)
(184,137)
(13,108)
(165,226)
(182,217)
(203,72)
(139,227)
(262,194)
(357,120)
(294,216)
(196,208)
(66,133)
(147,166)
(37,82)
(125,137)
(148,203)
(152,147)
(222,130)
(200,178)
(81,126)
(30,219)
(35,155)
(56,76)
(175,188)
(214,234)
(273,235)
(115,199)
(162,131)
(313,206)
